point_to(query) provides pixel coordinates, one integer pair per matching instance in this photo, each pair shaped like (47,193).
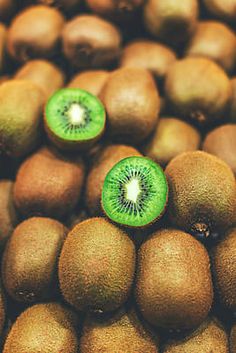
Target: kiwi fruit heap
(91,81)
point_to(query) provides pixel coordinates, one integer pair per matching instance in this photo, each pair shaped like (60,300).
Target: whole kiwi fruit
(47,328)
(222,143)
(209,337)
(48,184)
(150,55)
(225,10)
(90,41)
(35,32)
(202,196)
(173,22)
(181,295)
(20,117)
(33,264)
(108,157)
(233,339)
(171,138)
(216,41)
(198,89)
(123,332)
(43,73)
(232,112)
(7,8)
(132,103)
(3,37)
(96,266)
(91,81)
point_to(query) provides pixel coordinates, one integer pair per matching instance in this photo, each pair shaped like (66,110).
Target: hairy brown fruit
(91,81)
(3,37)
(226,10)
(2,311)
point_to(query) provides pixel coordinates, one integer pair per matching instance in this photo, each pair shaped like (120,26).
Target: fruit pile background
(72,280)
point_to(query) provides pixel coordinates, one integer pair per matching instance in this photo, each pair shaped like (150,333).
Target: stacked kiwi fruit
(118,176)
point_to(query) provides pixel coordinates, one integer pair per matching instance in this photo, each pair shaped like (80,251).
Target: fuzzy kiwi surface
(43,328)
(3,314)
(132,103)
(232,339)
(90,41)
(225,10)
(6,9)
(202,196)
(3,38)
(91,81)
(48,184)
(31,255)
(232,112)
(35,32)
(96,266)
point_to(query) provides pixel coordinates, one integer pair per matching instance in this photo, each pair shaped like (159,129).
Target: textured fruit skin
(3,36)
(181,295)
(96,266)
(223,257)
(202,192)
(209,337)
(233,340)
(43,328)
(29,267)
(232,112)
(42,40)
(107,159)
(123,333)
(223,10)
(91,81)
(48,184)
(132,104)
(222,143)
(2,311)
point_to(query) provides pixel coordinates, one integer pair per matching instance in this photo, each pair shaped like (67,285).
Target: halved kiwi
(135,192)
(74,118)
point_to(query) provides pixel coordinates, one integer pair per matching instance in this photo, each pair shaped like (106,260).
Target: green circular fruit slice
(73,115)
(135,192)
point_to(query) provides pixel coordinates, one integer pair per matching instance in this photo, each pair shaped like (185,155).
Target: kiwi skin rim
(151,223)
(73,145)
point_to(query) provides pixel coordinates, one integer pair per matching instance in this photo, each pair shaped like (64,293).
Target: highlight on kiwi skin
(74,119)
(135,192)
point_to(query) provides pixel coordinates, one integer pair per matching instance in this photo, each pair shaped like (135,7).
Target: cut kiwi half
(135,192)
(74,118)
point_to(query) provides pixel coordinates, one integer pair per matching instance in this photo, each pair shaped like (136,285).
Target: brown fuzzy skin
(96,266)
(123,333)
(222,143)
(20,117)
(90,41)
(132,103)
(91,81)
(202,192)
(35,32)
(2,312)
(171,138)
(149,55)
(233,101)
(65,5)
(43,328)
(181,295)
(173,22)
(232,339)
(210,337)
(225,10)
(8,215)
(106,160)
(198,89)
(3,37)
(29,268)
(44,74)
(6,8)
(216,41)
(48,184)
(223,257)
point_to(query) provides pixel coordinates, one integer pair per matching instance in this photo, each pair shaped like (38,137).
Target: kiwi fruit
(20,117)
(216,41)
(181,295)
(35,32)
(123,332)
(132,103)
(29,268)
(96,266)
(209,337)
(90,41)
(91,81)
(232,112)
(64,5)
(233,339)
(222,143)
(43,73)
(48,184)
(47,328)
(198,89)
(171,138)
(3,37)
(172,22)
(202,197)
(2,311)
(74,119)
(7,8)
(135,192)
(225,10)
(108,157)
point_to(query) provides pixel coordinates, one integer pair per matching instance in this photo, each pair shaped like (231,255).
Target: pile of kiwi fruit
(117,176)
